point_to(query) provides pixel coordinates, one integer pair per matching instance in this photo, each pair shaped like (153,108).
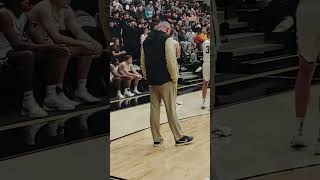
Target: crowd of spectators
(132,20)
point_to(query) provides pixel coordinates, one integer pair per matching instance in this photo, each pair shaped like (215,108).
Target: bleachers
(246,47)
(188,76)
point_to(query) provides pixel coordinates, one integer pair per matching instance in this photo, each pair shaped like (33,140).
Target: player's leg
(302,93)
(117,84)
(84,61)
(53,68)
(127,84)
(135,85)
(204,93)
(206,79)
(24,63)
(306,39)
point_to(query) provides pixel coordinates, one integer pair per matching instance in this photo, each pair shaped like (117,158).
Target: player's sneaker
(136,92)
(179,103)
(120,96)
(203,105)
(32,109)
(86,97)
(64,98)
(184,140)
(128,93)
(298,141)
(53,103)
(198,69)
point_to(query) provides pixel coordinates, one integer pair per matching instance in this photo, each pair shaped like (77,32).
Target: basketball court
(132,155)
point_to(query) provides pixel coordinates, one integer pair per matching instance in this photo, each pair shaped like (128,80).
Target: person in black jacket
(159,67)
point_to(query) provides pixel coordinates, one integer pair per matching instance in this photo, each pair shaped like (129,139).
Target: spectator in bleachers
(116,27)
(140,13)
(184,18)
(131,38)
(127,69)
(54,22)
(17,50)
(117,50)
(190,35)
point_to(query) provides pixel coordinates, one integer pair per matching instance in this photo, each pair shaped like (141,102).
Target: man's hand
(98,48)
(138,76)
(94,47)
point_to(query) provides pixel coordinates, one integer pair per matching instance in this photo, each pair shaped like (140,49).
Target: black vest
(155,58)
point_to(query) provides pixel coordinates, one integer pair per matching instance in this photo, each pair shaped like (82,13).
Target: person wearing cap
(159,68)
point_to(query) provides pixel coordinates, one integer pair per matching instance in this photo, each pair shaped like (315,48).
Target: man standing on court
(159,67)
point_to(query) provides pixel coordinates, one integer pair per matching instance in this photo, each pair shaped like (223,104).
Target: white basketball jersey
(206,51)
(19,24)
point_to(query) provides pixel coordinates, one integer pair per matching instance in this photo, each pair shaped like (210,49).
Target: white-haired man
(159,67)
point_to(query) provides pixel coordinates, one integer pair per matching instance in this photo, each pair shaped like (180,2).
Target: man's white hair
(163,24)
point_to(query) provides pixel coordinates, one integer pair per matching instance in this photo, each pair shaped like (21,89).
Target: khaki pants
(168,93)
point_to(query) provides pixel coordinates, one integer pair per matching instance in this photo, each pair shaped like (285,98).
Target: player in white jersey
(21,54)
(54,22)
(127,70)
(308,34)
(205,70)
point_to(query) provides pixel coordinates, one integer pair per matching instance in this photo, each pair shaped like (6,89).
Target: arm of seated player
(49,26)
(7,28)
(126,71)
(138,75)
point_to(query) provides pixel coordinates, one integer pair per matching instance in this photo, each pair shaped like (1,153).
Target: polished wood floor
(133,157)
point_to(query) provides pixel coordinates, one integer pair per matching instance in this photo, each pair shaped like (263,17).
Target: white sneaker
(136,92)
(65,99)
(86,97)
(284,25)
(132,94)
(203,105)
(128,94)
(298,141)
(53,103)
(32,109)
(179,103)
(120,96)
(198,69)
